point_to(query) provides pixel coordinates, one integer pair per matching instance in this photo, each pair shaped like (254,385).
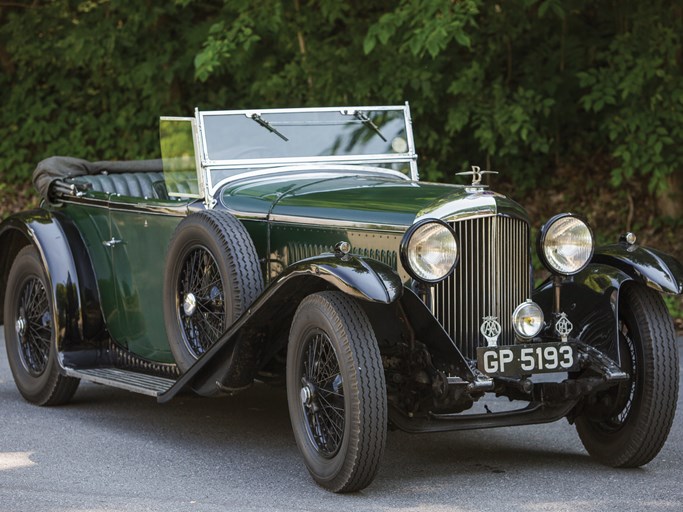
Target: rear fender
(77,315)
(262,330)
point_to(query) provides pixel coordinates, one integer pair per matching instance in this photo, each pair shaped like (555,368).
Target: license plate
(516,360)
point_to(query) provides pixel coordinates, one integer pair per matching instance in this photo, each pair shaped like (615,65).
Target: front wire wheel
(322,394)
(636,428)
(336,391)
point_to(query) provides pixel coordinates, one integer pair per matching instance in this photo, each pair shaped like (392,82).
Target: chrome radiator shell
(491,279)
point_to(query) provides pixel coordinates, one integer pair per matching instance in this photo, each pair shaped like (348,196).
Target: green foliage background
(534,88)
(520,84)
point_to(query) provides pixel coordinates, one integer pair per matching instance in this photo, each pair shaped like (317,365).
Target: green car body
(205,270)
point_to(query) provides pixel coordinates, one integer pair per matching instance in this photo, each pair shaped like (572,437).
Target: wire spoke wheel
(336,391)
(34,326)
(30,333)
(322,394)
(200,300)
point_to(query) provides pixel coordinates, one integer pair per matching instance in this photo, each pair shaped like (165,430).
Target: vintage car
(298,247)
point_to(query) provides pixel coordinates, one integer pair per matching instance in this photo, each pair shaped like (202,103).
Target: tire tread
(657,405)
(367,435)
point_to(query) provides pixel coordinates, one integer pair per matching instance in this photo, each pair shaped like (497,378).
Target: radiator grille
(491,279)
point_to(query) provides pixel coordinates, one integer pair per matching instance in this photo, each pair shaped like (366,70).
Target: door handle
(112,242)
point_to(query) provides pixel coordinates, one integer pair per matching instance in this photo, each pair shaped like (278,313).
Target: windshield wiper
(268,126)
(368,122)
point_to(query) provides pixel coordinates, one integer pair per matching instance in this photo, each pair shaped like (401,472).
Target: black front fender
(655,269)
(591,298)
(363,279)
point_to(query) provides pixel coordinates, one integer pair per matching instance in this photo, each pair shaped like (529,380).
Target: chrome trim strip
(271,162)
(303,109)
(246,215)
(342,224)
(328,170)
(211,166)
(181,210)
(184,195)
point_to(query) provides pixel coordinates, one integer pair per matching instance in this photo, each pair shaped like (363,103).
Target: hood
(378,201)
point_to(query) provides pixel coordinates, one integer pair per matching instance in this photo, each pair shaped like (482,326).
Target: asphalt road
(113,450)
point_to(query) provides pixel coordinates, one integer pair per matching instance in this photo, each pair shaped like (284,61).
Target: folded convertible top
(57,168)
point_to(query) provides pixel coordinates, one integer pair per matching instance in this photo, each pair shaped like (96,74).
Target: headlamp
(429,251)
(565,244)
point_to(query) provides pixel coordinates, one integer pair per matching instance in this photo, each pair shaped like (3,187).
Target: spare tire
(212,276)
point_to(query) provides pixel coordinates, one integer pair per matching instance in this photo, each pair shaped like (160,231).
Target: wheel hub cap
(21,325)
(190,304)
(306,396)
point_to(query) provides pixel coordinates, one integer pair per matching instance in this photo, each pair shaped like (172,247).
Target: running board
(124,379)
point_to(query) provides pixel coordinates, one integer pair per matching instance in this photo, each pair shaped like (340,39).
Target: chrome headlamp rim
(542,239)
(405,241)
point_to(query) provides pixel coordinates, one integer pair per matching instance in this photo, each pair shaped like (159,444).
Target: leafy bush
(523,86)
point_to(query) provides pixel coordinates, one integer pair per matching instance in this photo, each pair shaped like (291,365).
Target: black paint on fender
(77,313)
(653,268)
(591,298)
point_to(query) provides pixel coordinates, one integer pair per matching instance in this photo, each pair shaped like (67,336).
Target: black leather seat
(135,184)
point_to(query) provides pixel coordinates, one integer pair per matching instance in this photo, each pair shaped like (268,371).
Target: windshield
(292,135)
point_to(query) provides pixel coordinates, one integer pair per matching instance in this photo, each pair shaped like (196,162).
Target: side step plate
(123,379)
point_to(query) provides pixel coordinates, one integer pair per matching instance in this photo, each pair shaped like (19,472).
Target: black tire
(340,423)
(30,333)
(635,431)
(214,248)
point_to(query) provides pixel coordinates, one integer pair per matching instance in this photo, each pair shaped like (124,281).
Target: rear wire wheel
(30,333)
(336,391)
(634,431)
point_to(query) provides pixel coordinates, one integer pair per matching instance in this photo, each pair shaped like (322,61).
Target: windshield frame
(250,165)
